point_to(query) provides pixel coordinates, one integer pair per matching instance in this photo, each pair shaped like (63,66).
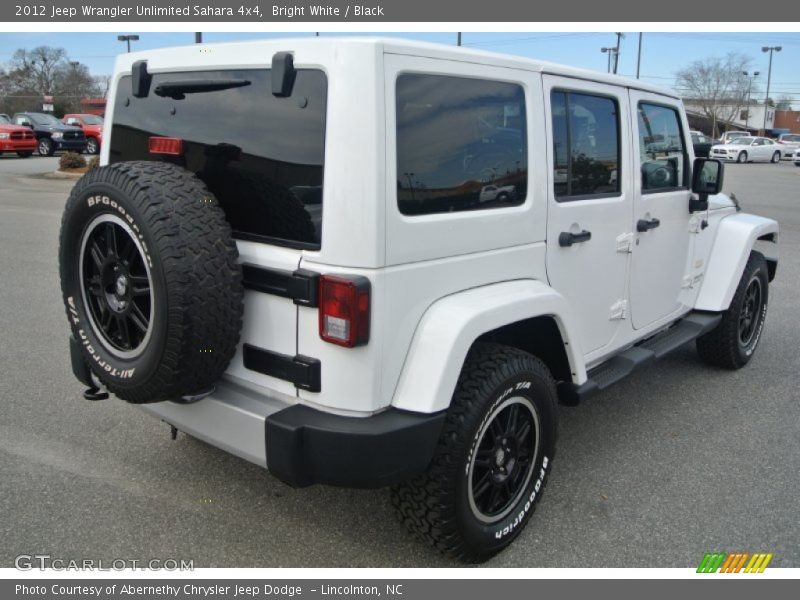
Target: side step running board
(620,366)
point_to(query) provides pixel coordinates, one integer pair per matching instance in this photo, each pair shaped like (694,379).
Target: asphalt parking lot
(674,462)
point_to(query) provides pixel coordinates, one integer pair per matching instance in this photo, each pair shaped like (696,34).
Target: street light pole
(769,49)
(749,90)
(128,39)
(608,61)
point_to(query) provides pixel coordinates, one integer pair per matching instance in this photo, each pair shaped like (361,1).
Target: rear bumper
(301,445)
(306,446)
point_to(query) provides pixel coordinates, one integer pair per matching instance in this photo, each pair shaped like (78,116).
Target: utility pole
(198,38)
(458,43)
(749,90)
(769,49)
(639,57)
(620,35)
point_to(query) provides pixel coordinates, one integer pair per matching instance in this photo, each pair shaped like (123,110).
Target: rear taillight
(344,310)
(166,145)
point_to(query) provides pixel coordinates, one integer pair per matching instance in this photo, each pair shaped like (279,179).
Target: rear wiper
(177,90)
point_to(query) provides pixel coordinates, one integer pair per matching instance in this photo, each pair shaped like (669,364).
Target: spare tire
(150,279)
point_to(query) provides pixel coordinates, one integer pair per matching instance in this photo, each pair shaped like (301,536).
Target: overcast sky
(662,53)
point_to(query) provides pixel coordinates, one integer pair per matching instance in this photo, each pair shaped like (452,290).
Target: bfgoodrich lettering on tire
(150,280)
(492,460)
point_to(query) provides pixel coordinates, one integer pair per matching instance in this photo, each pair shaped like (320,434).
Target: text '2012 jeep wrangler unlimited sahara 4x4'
(289,253)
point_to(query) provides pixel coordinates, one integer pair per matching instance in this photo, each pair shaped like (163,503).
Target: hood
(720,201)
(9,128)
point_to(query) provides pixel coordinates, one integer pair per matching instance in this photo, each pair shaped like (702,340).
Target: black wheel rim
(503,459)
(750,315)
(116,286)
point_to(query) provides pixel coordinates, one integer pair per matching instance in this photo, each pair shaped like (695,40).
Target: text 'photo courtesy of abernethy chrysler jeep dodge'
(384,263)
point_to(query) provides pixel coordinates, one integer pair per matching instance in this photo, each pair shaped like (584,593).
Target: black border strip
(302,371)
(301,286)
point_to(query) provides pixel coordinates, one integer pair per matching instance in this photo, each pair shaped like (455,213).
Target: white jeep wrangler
(290,254)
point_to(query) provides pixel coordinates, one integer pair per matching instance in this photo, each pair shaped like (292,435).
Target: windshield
(92,120)
(4,119)
(41,119)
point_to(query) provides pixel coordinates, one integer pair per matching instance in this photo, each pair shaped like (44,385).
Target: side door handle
(566,239)
(643,225)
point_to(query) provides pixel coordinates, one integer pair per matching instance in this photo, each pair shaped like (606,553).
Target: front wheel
(731,344)
(776,157)
(92,147)
(742,158)
(46,147)
(492,459)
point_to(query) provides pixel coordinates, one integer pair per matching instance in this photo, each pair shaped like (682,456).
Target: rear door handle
(643,225)
(566,239)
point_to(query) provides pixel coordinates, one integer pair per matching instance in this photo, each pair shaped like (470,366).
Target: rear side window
(661,148)
(260,155)
(586,148)
(461,144)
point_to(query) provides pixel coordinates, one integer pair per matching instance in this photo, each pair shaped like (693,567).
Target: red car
(14,138)
(92,126)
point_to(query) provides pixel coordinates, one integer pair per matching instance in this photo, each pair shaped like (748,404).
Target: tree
(718,86)
(46,71)
(39,66)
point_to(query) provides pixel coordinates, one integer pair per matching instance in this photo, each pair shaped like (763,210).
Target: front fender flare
(449,327)
(736,236)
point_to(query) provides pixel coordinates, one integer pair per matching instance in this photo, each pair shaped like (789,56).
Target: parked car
(729,136)
(701,143)
(796,158)
(425,340)
(92,126)
(14,138)
(496,192)
(789,143)
(51,134)
(748,149)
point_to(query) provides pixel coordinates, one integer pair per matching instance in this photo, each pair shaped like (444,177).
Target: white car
(748,149)
(789,142)
(496,192)
(796,158)
(379,326)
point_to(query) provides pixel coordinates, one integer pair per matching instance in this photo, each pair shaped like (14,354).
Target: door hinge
(619,310)
(625,243)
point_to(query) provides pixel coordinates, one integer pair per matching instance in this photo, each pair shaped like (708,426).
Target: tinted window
(461,144)
(585,145)
(661,149)
(4,119)
(260,155)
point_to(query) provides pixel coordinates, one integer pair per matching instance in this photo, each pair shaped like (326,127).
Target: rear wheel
(492,458)
(732,343)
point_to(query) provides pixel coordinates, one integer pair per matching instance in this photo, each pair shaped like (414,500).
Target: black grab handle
(643,225)
(566,239)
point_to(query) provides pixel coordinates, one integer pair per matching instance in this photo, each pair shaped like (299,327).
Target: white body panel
(430,374)
(736,236)
(439,281)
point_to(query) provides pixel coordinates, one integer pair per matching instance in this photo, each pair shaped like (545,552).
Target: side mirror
(707,177)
